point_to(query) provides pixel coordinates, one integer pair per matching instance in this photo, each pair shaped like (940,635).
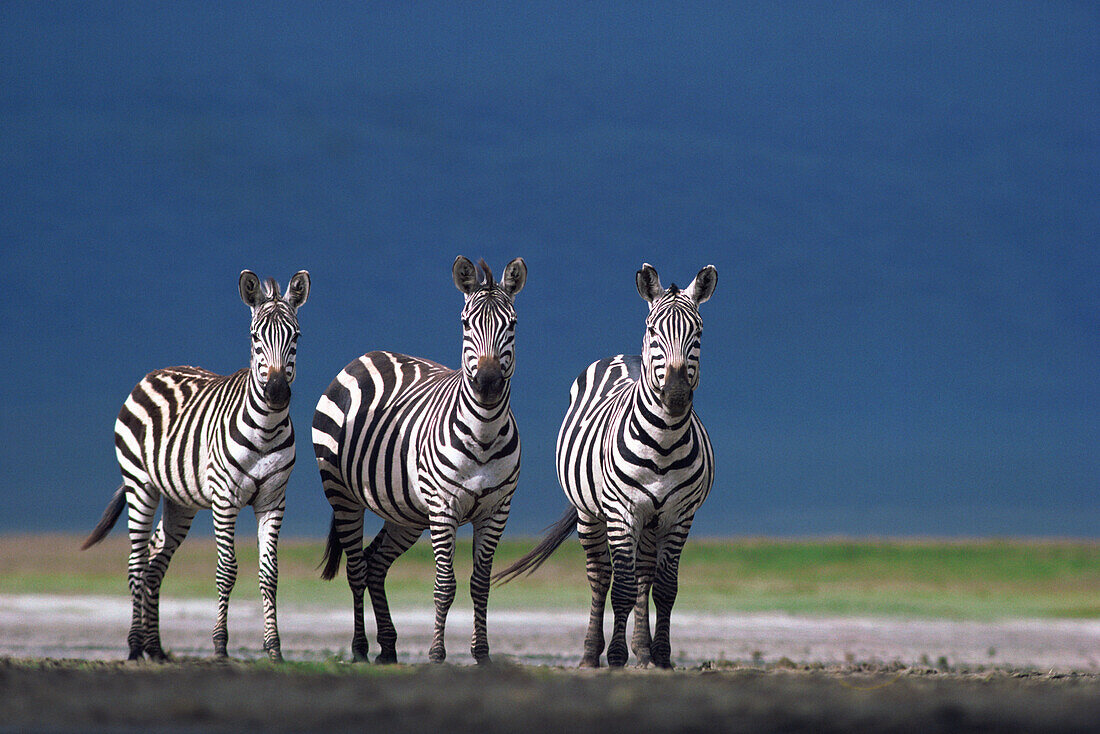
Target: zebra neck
(483,423)
(256,414)
(648,420)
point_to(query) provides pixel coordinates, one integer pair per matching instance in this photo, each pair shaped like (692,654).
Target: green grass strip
(966,579)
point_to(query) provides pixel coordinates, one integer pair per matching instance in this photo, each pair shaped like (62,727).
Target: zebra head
(488,325)
(670,351)
(274,332)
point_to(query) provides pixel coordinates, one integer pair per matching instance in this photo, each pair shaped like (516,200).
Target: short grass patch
(965,579)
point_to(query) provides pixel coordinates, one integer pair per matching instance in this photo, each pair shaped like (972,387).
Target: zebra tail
(333,551)
(110,517)
(556,534)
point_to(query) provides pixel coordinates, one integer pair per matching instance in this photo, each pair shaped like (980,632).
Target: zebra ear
(514,277)
(297,291)
(465,275)
(703,286)
(251,292)
(649,283)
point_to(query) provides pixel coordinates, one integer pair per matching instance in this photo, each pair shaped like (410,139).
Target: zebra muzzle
(677,393)
(488,380)
(277,389)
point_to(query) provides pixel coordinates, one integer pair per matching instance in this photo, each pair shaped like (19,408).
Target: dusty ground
(736,673)
(94,628)
(52,696)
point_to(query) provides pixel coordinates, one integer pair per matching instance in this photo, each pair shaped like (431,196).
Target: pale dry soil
(61,670)
(95,627)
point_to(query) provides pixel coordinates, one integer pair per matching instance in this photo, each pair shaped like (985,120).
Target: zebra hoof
(587,662)
(616,656)
(275,655)
(136,654)
(437,655)
(483,660)
(157,655)
(386,657)
(359,653)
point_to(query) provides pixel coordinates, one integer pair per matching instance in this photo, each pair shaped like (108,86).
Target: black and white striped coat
(424,447)
(199,440)
(636,463)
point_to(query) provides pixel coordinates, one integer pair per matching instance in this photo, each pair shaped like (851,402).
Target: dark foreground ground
(199,695)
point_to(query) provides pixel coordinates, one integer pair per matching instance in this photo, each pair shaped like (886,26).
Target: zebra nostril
(676,394)
(488,379)
(277,389)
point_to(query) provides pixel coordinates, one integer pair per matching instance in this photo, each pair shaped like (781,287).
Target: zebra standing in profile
(424,447)
(202,440)
(636,464)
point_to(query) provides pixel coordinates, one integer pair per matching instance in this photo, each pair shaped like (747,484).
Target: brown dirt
(196,695)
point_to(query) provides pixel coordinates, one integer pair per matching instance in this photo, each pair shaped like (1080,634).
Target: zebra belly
(262,482)
(470,488)
(392,492)
(663,502)
(582,480)
(646,486)
(406,514)
(597,396)
(652,486)
(367,432)
(180,471)
(179,429)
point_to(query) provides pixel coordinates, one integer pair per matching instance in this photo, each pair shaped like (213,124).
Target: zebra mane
(673,289)
(271,289)
(485,277)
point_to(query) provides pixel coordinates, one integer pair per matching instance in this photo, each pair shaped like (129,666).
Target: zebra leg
(175,521)
(142,501)
(644,566)
(443,529)
(593,535)
(392,540)
(624,587)
(268,524)
(225,525)
(487,534)
(349,529)
(665,588)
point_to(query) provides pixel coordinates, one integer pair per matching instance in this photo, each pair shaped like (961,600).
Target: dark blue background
(901,201)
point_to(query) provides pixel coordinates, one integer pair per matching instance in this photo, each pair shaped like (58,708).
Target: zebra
(636,464)
(424,447)
(201,440)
